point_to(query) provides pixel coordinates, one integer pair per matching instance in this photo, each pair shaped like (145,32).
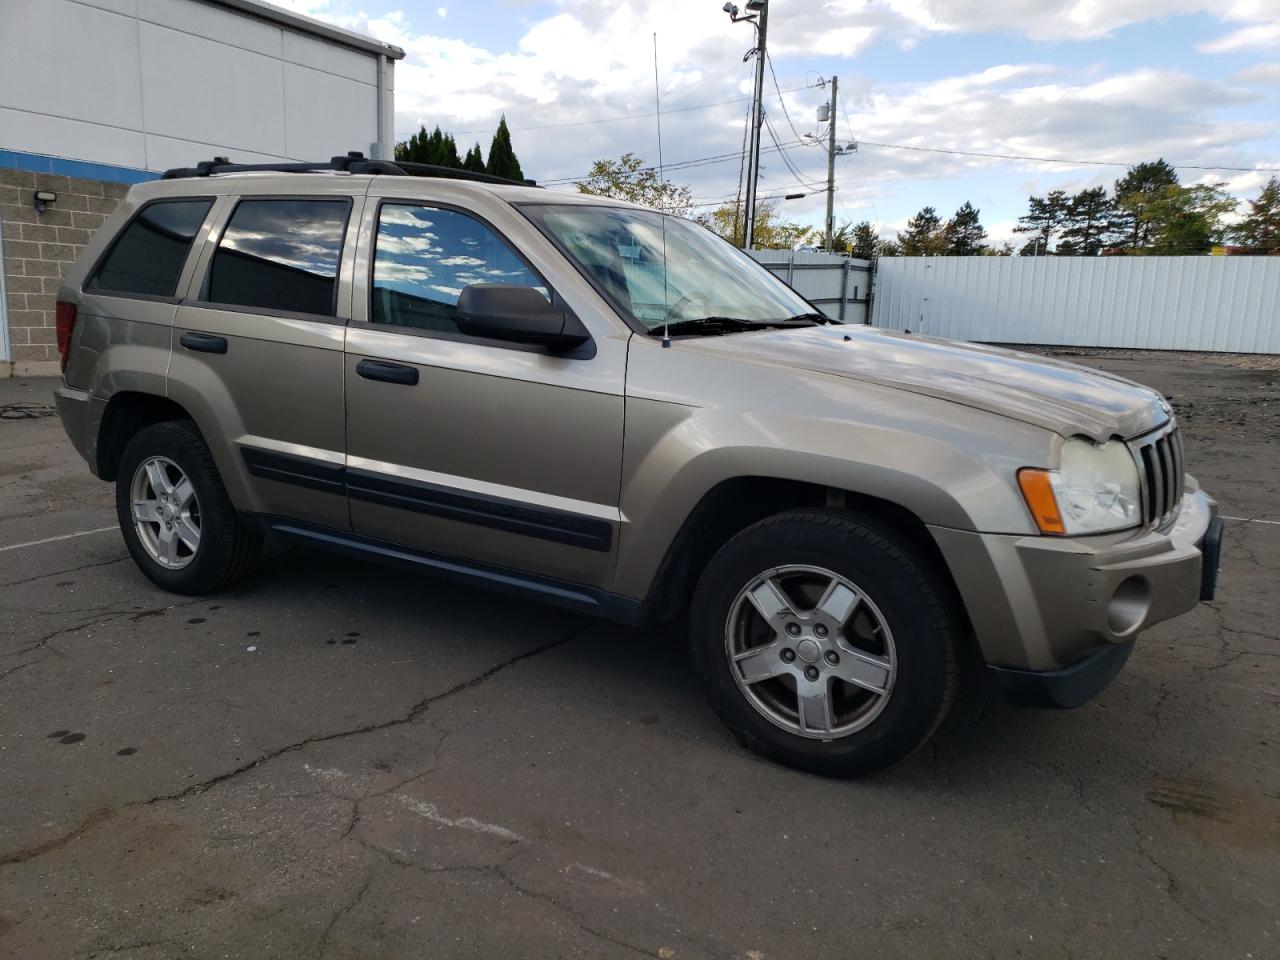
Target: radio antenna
(657,100)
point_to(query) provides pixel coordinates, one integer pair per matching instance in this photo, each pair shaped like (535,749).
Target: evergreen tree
(1260,230)
(1134,193)
(1044,219)
(502,158)
(1087,223)
(924,235)
(474,160)
(865,242)
(965,235)
(435,147)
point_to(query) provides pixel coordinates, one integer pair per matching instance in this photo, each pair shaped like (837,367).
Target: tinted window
(149,254)
(281,255)
(425,256)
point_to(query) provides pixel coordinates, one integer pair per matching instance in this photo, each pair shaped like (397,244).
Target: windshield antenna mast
(657,101)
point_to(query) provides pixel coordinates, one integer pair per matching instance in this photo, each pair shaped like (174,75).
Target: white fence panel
(838,286)
(1229,304)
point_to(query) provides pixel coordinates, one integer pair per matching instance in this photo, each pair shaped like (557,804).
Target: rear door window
(148,256)
(281,255)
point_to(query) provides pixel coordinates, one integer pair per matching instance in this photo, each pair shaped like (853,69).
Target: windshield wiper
(718,325)
(817,318)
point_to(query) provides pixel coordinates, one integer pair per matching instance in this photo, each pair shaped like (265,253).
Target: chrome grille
(1159,457)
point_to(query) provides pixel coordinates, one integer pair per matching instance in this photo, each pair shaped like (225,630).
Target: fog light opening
(1128,606)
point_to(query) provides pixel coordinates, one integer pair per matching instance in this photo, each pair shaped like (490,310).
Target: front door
(469,448)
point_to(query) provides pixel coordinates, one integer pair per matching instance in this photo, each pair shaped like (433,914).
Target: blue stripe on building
(39,163)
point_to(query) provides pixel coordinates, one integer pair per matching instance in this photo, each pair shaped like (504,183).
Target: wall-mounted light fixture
(43,199)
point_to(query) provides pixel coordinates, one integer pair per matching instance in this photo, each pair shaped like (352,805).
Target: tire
(899,636)
(212,547)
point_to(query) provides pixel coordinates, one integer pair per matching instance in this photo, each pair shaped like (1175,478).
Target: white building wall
(153,84)
(1229,304)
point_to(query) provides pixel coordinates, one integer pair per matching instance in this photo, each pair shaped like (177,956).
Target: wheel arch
(734,504)
(126,413)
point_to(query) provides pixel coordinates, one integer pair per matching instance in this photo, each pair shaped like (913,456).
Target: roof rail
(353,162)
(455,173)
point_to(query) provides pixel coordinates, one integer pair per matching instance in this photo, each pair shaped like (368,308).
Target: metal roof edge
(317,28)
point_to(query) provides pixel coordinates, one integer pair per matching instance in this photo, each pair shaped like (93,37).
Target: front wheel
(824,641)
(174,512)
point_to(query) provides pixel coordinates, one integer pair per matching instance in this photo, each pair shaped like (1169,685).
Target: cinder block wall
(38,248)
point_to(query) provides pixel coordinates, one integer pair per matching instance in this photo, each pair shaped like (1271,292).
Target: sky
(1114,82)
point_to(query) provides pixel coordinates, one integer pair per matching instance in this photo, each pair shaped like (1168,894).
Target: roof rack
(353,162)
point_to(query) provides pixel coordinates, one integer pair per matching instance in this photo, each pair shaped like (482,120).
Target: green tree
(772,232)
(888,248)
(925,235)
(627,178)
(1259,232)
(964,234)
(1087,223)
(435,147)
(857,240)
(1183,221)
(1043,220)
(865,241)
(502,157)
(1135,191)
(474,160)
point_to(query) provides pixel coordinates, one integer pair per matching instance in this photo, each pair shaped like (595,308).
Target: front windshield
(661,270)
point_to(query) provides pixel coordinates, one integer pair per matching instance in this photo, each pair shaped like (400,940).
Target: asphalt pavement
(332,760)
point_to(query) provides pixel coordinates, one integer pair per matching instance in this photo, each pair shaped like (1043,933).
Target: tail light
(65,319)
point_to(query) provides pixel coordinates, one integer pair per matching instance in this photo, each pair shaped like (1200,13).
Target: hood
(1063,397)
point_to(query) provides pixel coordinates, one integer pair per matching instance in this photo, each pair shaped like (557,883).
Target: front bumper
(1071,607)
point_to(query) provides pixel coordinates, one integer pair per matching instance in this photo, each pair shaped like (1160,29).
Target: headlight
(1095,490)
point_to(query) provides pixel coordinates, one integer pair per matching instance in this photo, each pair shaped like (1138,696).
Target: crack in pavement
(323,947)
(134,613)
(58,573)
(417,710)
(501,871)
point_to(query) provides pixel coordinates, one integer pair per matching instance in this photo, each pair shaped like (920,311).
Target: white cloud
(1262,36)
(1071,20)
(1262,74)
(442,12)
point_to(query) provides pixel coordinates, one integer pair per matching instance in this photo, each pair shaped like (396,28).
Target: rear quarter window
(148,255)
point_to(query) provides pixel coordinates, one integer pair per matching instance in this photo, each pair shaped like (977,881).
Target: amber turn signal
(1037,490)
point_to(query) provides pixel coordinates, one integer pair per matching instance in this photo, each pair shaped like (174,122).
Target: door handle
(204,342)
(388,372)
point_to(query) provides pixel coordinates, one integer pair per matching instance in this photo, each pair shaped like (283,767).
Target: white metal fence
(1159,303)
(838,286)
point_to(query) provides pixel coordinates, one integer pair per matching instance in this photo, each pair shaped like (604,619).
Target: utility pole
(757,122)
(831,168)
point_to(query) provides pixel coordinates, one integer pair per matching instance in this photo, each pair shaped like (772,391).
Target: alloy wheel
(166,513)
(810,651)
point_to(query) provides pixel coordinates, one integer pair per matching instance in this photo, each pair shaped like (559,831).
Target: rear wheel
(823,642)
(174,512)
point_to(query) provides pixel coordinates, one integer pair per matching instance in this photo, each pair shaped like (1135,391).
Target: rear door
(258,349)
(472,448)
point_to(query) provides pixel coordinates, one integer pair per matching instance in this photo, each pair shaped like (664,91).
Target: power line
(1092,163)
(781,99)
(677,165)
(795,173)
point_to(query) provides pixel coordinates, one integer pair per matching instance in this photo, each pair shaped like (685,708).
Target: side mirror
(500,311)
